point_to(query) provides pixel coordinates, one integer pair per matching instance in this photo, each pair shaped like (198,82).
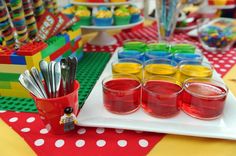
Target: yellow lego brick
(14,93)
(74,34)
(17,86)
(12,68)
(80,43)
(33,60)
(5,85)
(47,59)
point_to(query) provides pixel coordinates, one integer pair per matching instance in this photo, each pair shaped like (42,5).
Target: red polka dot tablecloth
(102,141)
(84,140)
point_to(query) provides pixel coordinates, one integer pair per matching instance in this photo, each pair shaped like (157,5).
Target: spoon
(52,78)
(64,74)
(37,78)
(57,76)
(44,69)
(27,85)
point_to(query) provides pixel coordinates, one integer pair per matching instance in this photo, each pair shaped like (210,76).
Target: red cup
(51,110)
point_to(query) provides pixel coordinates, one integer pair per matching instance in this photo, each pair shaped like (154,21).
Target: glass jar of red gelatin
(121,93)
(161,96)
(204,98)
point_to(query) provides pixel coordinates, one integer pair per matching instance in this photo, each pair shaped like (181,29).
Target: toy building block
(31,48)
(16,59)
(5,85)
(74,34)
(54,43)
(12,68)
(33,60)
(67,53)
(80,44)
(9,77)
(14,93)
(60,51)
(16,86)
(5,55)
(66,36)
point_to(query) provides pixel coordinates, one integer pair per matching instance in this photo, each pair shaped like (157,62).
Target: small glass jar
(121,93)
(164,67)
(161,96)
(204,98)
(128,66)
(194,69)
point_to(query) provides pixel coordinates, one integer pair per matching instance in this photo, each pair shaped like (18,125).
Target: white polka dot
(17,112)
(59,143)
(139,131)
(229,55)
(222,61)
(119,130)
(41,117)
(2,111)
(234,58)
(122,143)
(216,66)
(223,70)
(25,129)
(14,119)
(231,61)
(101,143)
(219,55)
(225,58)
(100,130)
(209,55)
(43,131)
(81,131)
(215,58)
(79,143)
(143,143)
(39,142)
(227,65)
(30,119)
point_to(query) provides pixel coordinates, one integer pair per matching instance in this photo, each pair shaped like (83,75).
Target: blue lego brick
(58,59)
(66,36)
(16,59)
(77,38)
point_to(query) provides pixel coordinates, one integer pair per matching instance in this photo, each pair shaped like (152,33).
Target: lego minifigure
(68,119)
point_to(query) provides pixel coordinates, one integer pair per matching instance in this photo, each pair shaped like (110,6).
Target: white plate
(130,25)
(94,114)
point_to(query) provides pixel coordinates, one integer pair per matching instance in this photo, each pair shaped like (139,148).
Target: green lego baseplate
(89,70)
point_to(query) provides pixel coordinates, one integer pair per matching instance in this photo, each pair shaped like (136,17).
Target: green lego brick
(9,76)
(17,104)
(54,43)
(66,54)
(5,85)
(75,26)
(89,70)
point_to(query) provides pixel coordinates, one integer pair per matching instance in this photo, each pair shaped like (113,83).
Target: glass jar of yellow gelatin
(164,67)
(194,69)
(128,66)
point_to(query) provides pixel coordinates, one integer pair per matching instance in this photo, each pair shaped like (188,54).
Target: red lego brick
(31,48)
(5,55)
(60,51)
(75,46)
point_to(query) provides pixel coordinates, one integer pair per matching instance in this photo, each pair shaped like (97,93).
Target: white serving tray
(93,114)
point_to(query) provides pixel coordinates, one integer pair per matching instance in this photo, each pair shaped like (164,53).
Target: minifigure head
(68,110)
